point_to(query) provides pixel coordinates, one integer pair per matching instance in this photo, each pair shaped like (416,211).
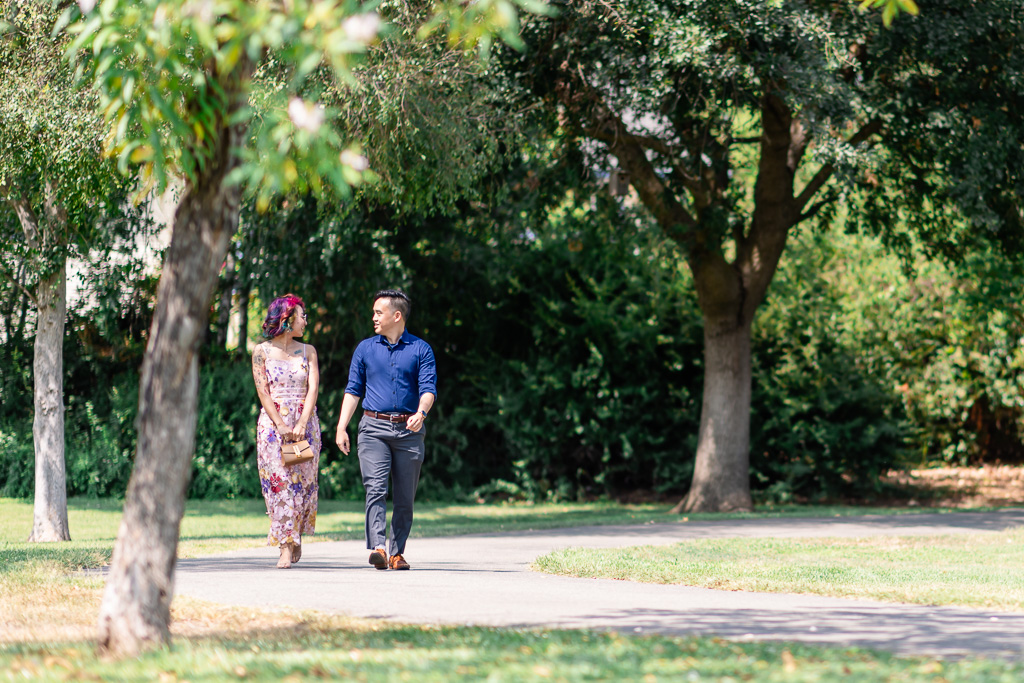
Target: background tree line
(548,333)
(569,322)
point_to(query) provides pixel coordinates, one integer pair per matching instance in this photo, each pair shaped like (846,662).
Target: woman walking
(287,380)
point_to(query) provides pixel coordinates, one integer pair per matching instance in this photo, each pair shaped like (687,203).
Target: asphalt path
(486,580)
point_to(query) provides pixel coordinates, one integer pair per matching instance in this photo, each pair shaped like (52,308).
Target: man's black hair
(397,299)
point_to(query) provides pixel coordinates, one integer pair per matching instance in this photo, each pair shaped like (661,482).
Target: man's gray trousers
(389,450)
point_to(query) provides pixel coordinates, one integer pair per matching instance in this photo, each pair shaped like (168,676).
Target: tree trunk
(244,286)
(50,510)
(224,305)
(135,613)
(721,477)
(50,507)
(19,331)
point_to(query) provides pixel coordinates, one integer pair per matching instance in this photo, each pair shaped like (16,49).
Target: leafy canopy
(165,72)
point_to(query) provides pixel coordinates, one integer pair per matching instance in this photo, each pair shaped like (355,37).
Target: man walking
(394,373)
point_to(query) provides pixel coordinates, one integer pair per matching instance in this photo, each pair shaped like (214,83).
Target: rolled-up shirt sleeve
(428,372)
(357,373)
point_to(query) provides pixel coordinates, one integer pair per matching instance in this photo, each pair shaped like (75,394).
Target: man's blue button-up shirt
(391,379)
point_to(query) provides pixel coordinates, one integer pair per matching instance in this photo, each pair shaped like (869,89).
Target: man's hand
(342,440)
(414,423)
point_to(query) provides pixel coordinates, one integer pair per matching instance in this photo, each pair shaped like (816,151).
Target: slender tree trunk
(50,510)
(50,507)
(224,305)
(19,332)
(244,287)
(135,613)
(721,477)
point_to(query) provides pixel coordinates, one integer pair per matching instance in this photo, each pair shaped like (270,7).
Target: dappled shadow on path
(945,632)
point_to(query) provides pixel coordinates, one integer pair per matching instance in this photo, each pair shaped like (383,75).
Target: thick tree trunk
(135,613)
(721,477)
(50,515)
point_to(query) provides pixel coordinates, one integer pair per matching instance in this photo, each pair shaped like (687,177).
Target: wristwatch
(424,413)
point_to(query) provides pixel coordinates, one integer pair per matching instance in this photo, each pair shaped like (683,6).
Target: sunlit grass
(984,570)
(255,646)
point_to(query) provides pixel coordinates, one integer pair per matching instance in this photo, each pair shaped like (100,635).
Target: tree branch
(826,171)
(610,137)
(818,206)
(15,279)
(586,102)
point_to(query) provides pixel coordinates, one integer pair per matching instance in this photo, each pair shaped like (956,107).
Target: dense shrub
(826,420)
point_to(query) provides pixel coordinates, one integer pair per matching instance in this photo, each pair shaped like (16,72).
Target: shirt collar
(406,338)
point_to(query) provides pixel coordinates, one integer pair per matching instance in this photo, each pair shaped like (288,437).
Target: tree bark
(721,475)
(50,503)
(50,508)
(135,613)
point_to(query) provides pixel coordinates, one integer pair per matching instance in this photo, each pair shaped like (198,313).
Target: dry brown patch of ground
(962,487)
(68,613)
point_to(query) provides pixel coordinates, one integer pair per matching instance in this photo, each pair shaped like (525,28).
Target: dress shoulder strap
(303,352)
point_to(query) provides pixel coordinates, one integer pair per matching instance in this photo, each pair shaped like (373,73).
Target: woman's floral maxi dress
(290,492)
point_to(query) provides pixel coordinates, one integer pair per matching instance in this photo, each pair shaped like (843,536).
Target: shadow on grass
(366,650)
(67,557)
(900,629)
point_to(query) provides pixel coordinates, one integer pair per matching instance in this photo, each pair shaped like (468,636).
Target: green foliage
(167,73)
(958,352)
(892,8)
(51,155)
(825,420)
(224,465)
(951,170)
(586,314)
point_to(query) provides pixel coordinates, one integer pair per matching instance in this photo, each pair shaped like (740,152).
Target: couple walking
(394,375)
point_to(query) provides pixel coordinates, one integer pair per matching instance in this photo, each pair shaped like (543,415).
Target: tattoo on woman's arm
(259,370)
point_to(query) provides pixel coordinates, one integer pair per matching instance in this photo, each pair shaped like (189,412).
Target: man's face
(385,320)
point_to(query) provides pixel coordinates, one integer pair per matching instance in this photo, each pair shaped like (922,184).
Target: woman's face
(298,321)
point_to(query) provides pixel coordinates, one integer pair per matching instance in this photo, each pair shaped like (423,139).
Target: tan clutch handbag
(296,453)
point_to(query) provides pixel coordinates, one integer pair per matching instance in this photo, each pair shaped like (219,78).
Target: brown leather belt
(387,416)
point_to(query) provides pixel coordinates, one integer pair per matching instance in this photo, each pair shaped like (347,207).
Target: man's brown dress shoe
(398,562)
(379,558)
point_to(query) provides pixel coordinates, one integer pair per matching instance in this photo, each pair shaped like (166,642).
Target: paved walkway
(486,580)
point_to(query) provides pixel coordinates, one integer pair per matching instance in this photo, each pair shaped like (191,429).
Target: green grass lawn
(38,587)
(319,649)
(971,570)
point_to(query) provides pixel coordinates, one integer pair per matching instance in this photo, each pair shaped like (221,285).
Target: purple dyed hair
(280,311)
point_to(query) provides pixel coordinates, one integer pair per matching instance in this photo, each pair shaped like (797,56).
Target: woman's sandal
(296,553)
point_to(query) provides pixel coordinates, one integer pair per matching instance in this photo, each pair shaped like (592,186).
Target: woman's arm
(259,375)
(312,391)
